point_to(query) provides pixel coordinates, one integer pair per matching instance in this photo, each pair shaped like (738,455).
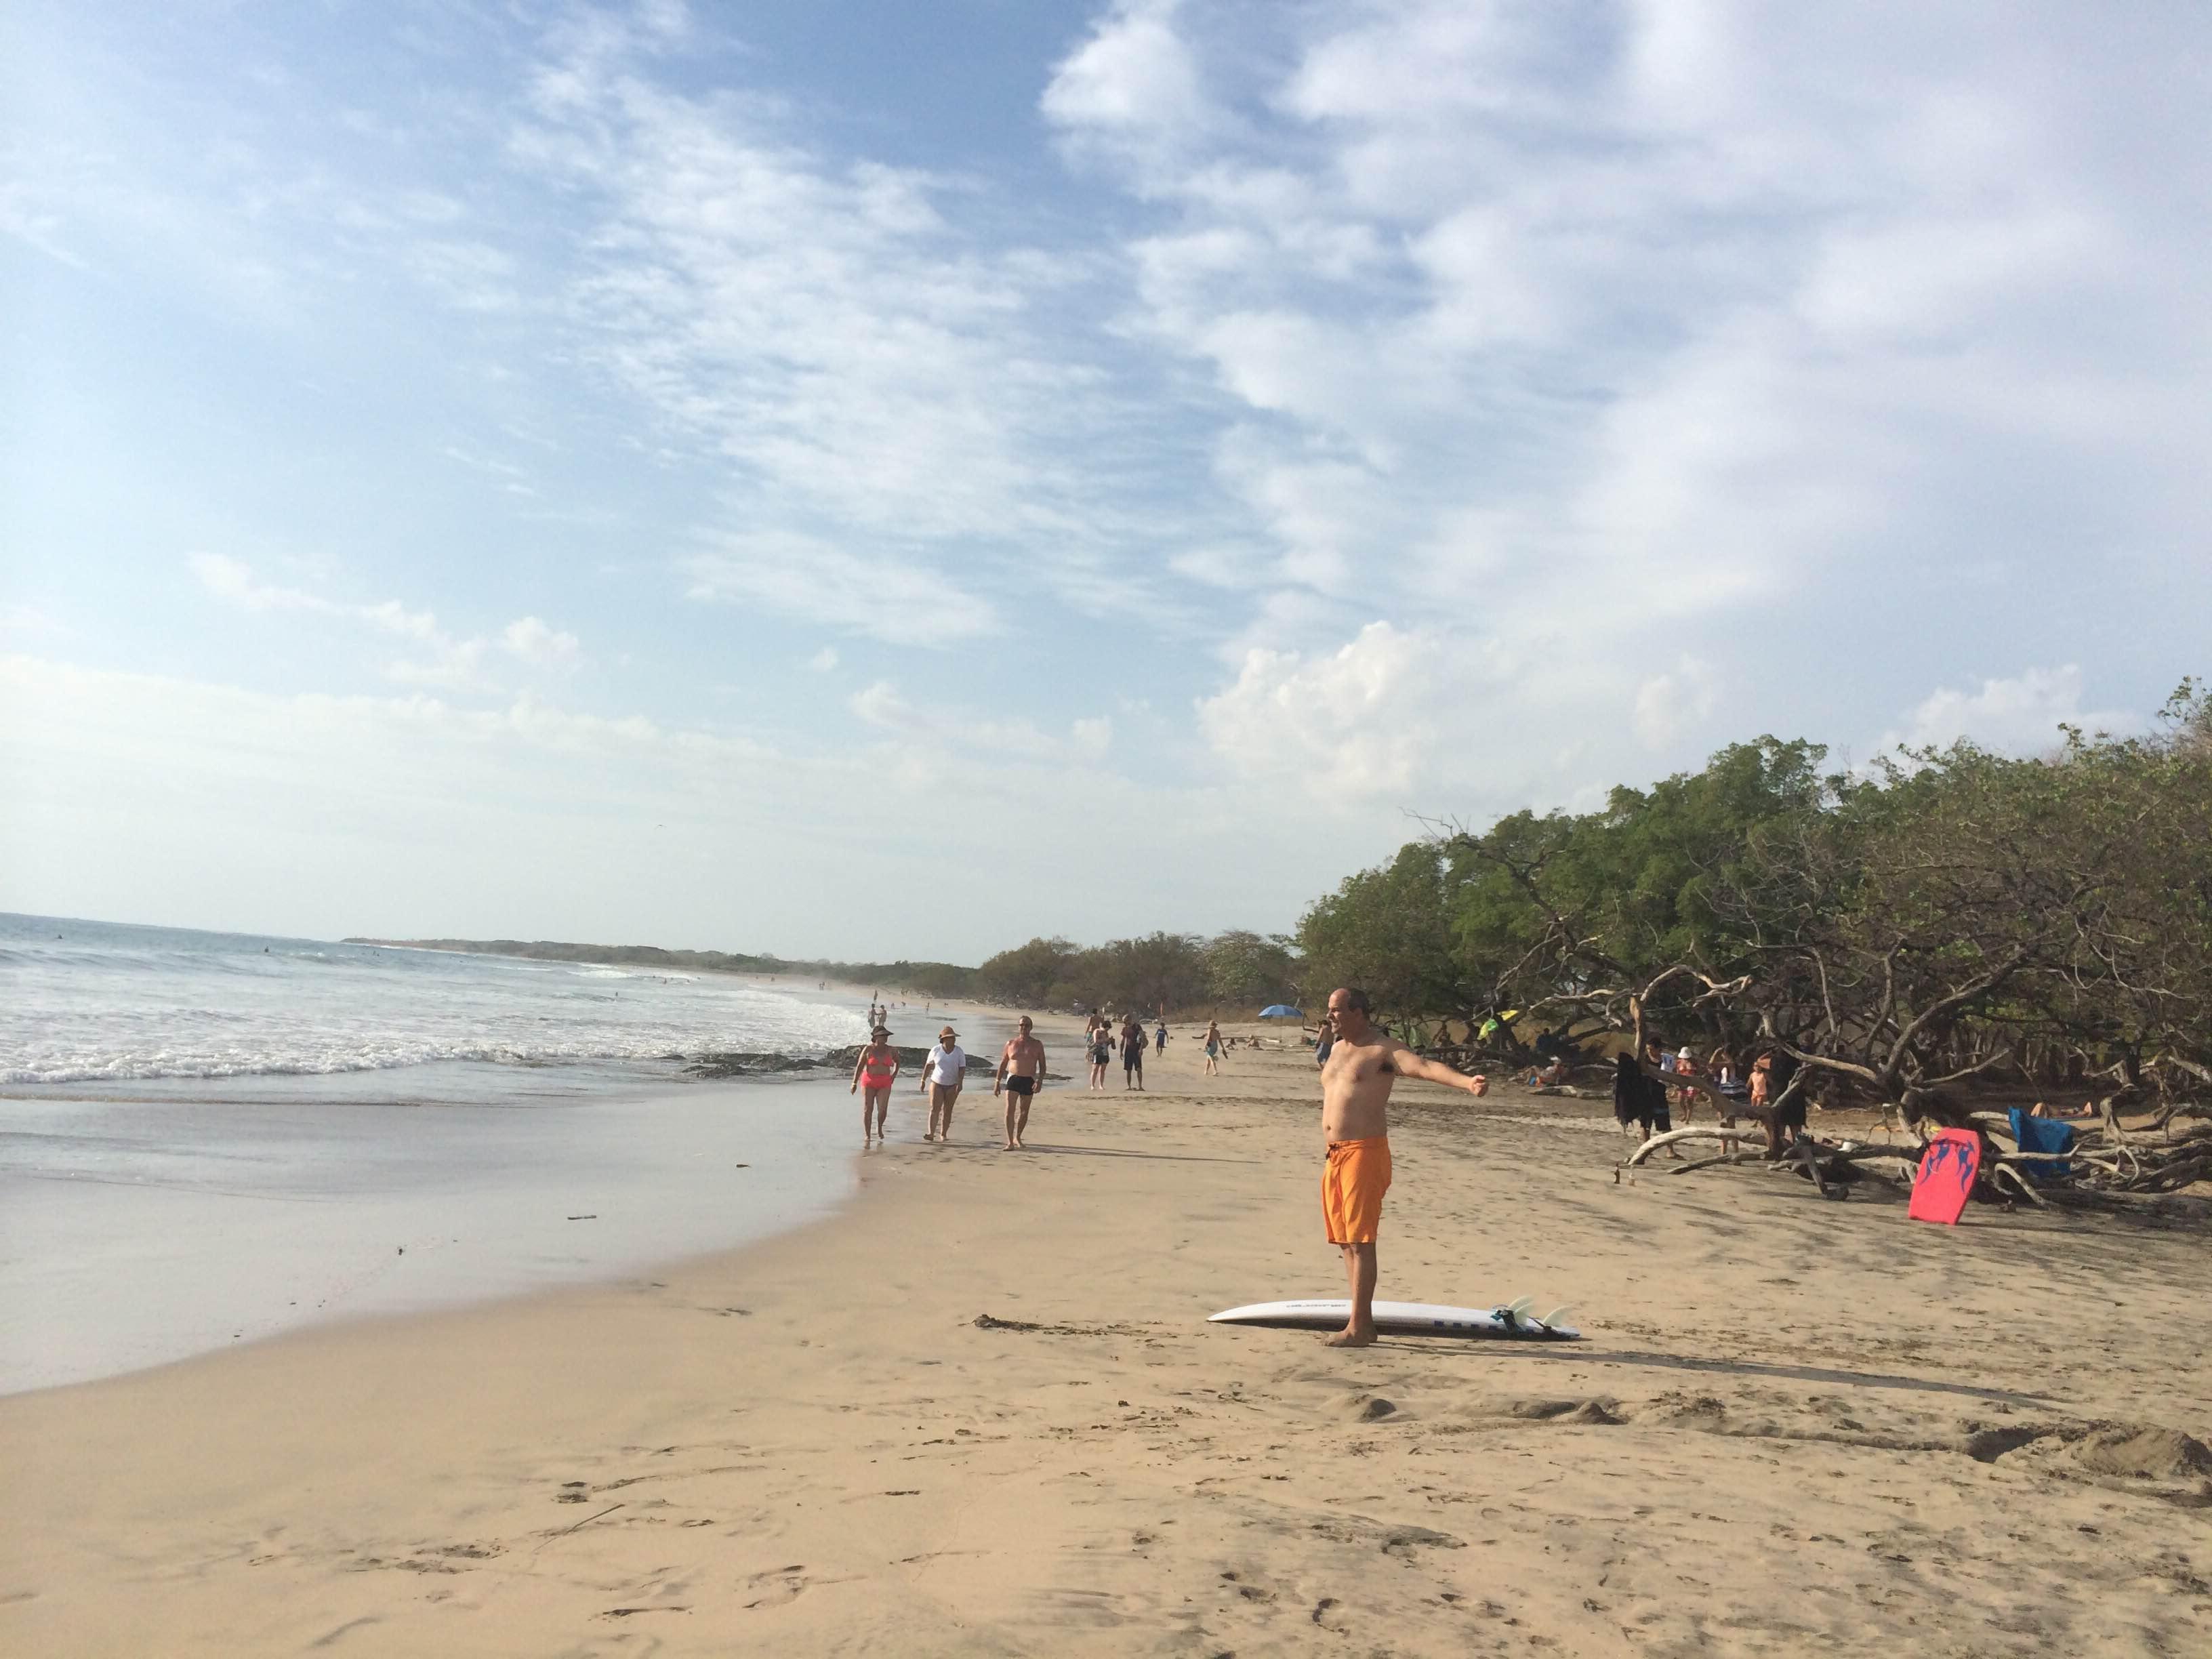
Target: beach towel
(2043,1134)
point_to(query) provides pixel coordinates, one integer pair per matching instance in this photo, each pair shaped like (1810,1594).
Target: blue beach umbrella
(1281,1011)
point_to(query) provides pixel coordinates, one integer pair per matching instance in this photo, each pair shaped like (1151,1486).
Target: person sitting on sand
(1355,1101)
(1548,1076)
(1214,1046)
(879,1068)
(1020,1076)
(942,1074)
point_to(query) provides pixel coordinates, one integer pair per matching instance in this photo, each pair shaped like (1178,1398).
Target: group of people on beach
(1643,1097)
(1020,1076)
(1360,1063)
(1102,1039)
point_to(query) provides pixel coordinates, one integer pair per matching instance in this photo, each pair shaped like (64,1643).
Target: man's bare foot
(1012,1147)
(1349,1339)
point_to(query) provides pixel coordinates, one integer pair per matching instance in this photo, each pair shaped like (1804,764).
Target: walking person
(1102,1053)
(876,1070)
(1728,1082)
(1133,1055)
(1160,1037)
(942,1074)
(1686,1098)
(1214,1046)
(1021,1076)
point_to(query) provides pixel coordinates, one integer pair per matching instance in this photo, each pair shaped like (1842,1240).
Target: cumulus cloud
(1134,85)
(1352,726)
(1587,322)
(538,644)
(2017,714)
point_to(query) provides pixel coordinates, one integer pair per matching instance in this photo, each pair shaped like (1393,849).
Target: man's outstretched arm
(1410,1064)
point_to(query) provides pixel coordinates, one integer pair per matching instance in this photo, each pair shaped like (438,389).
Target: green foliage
(1953,914)
(1172,971)
(1388,932)
(1249,969)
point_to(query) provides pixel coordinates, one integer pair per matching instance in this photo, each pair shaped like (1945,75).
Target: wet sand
(980,1411)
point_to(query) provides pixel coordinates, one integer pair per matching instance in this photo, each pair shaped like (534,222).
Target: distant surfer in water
(876,1070)
(1021,1074)
(1363,1062)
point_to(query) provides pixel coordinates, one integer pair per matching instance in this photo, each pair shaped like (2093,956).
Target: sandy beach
(980,1411)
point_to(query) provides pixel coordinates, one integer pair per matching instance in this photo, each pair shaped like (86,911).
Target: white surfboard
(1409,1318)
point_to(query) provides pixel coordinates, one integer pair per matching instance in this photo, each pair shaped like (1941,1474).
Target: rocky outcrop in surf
(745,1063)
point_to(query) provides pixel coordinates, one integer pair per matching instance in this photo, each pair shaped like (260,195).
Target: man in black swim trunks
(1021,1074)
(1133,1054)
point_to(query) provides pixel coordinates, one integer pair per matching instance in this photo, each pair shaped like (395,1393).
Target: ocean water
(87,1002)
(208,1138)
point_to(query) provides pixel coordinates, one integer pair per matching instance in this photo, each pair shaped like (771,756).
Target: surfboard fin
(1555,1316)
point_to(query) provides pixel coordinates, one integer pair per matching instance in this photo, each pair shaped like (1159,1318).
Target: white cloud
(1134,85)
(233,580)
(1094,737)
(538,644)
(1670,704)
(2020,714)
(894,597)
(822,660)
(1576,324)
(24,619)
(1349,727)
(856,344)
(453,664)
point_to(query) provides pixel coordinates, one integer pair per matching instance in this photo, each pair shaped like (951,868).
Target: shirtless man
(1355,1100)
(1021,1074)
(942,1074)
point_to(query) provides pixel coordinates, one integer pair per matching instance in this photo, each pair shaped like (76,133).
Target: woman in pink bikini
(876,1069)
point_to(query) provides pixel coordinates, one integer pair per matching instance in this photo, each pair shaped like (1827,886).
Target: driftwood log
(2105,1160)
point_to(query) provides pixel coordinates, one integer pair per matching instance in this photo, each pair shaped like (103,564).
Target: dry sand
(1795,1423)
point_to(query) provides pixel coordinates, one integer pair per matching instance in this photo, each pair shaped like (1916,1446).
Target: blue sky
(882,479)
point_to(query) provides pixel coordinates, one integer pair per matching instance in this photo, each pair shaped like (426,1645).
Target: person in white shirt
(942,1074)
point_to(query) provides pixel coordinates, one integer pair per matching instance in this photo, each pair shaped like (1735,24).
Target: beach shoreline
(978,1409)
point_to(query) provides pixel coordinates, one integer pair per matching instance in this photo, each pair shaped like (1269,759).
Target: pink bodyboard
(1947,1169)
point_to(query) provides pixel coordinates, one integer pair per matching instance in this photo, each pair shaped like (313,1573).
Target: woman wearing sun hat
(876,1070)
(942,1074)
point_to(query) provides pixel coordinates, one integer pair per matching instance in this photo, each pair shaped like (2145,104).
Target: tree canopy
(1946,915)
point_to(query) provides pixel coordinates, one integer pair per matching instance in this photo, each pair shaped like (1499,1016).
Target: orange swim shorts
(1353,1183)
